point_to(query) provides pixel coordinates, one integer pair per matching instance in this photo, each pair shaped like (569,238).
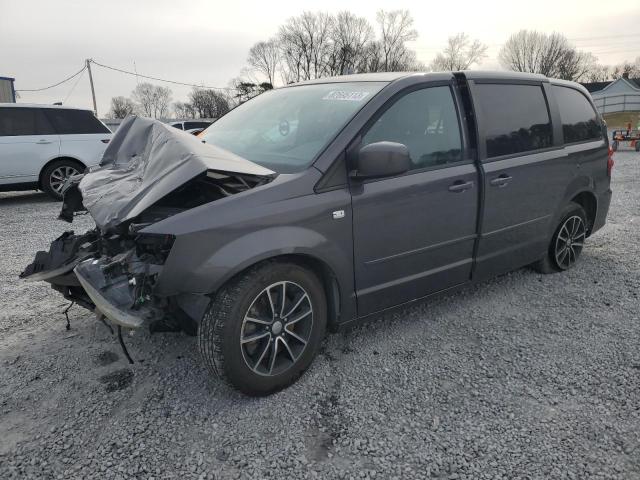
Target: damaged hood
(146,160)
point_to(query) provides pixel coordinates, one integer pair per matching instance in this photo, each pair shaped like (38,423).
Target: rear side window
(516,118)
(426,122)
(23,121)
(75,121)
(579,119)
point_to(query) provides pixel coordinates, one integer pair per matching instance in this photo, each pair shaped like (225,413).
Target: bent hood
(146,160)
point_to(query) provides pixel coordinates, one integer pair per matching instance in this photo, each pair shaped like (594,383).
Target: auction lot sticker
(346,96)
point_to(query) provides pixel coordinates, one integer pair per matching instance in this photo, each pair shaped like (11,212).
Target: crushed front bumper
(116,276)
(103,305)
(121,289)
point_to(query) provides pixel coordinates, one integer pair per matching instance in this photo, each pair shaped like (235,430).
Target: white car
(42,145)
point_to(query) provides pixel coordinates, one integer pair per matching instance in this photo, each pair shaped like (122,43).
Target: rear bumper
(604,200)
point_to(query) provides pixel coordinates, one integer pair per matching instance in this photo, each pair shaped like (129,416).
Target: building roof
(593,87)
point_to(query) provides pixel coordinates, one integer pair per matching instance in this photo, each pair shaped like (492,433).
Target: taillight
(610,162)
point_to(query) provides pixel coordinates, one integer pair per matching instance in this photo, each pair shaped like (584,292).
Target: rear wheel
(567,242)
(614,145)
(637,145)
(56,174)
(263,330)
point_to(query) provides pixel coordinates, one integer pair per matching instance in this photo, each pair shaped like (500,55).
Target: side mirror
(382,159)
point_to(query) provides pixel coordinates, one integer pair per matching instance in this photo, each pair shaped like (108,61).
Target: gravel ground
(525,376)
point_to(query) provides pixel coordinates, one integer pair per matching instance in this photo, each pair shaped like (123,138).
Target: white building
(621,95)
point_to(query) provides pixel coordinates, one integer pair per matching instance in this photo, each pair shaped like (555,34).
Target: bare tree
(626,68)
(598,73)
(350,36)
(314,45)
(183,110)
(152,100)
(208,103)
(143,95)
(264,57)
(304,43)
(576,65)
(396,29)
(162,102)
(551,55)
(121,107)
(246,89)
(459,54)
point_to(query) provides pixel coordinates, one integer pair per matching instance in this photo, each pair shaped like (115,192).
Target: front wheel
(263,330)
(567,242)
(56,174)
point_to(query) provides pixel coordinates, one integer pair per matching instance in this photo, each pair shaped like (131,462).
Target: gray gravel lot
(524,376)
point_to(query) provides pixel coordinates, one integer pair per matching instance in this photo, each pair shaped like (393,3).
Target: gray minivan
(318,204)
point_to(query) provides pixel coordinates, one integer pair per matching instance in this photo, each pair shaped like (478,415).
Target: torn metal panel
(65,253)
(145,161)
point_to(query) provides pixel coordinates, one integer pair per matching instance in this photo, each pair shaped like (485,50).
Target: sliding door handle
(501,181)
(460,186)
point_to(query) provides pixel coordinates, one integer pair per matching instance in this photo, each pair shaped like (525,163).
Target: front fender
(211,272)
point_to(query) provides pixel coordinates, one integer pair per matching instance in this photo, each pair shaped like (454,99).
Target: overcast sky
(206,42)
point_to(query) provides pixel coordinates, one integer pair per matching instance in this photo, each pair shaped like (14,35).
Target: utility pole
(93,92)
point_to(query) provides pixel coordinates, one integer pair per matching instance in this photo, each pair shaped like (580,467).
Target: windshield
(285,129)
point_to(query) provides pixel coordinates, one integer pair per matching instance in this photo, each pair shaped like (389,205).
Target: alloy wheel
(59,176)
(569,241)
(276,328)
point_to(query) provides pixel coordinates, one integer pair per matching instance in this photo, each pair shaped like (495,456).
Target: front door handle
(501,181)
(43,142)
(460,186)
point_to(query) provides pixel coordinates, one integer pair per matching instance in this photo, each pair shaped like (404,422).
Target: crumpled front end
(122,286)
(149,172)
(113,275)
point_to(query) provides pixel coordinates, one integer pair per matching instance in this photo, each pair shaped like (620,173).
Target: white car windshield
(285,129)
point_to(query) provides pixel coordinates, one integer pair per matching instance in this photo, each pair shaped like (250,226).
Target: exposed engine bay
(149,172)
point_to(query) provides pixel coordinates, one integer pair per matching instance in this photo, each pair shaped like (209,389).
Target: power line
(73,87)
(624,35)
(159,79)
(54,85)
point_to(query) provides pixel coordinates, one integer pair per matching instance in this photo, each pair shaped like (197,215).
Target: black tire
(637,145)
(553,261)
(614,145)
(50,181)
(224,328)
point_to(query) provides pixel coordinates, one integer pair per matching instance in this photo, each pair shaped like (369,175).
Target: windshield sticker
(347,96)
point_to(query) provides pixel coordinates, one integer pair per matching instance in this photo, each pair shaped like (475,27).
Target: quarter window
(67,121)
(579,119)
(515,117)
(426,122)
(23,121)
